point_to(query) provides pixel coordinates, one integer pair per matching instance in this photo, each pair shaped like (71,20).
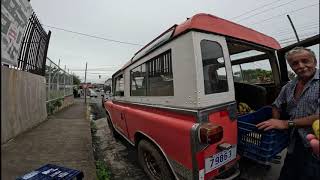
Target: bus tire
(152,162)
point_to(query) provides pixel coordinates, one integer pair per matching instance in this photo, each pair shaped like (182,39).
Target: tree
(257,75)
(76,79)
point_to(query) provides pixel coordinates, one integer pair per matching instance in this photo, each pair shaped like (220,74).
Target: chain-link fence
(59,82)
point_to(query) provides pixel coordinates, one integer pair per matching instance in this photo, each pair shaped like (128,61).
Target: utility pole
(58,77)
(64,81)
(294,29)
(85,82)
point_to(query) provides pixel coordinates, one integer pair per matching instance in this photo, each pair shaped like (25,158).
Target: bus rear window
(214,70)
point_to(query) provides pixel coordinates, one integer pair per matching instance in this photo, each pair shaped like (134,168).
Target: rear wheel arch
(114,132)
(108,114)
(139,136)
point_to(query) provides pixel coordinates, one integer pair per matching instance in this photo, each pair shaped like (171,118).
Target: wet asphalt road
(121,156)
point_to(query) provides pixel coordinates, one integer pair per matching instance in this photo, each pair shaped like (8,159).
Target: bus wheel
(153,162)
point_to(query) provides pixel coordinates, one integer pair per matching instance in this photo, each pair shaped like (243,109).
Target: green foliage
(76,79)
(56,94)
(58,102)
(257,76)
(52,105)
(50,108)
(102,171)
(93,128)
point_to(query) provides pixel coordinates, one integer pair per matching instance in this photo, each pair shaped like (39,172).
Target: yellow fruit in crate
(244,108)
(315,127)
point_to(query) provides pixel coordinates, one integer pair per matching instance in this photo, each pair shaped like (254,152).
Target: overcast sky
(136,23)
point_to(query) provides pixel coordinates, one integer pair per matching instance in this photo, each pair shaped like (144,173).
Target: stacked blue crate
(52,172)
(258,145)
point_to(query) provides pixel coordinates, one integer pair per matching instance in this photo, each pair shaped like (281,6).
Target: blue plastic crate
(52,172)
(258,145)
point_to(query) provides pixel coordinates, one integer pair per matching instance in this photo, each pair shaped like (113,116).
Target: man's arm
(306,121)
(275,113)
(283,124)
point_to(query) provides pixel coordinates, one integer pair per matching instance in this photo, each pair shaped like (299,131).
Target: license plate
(219,159)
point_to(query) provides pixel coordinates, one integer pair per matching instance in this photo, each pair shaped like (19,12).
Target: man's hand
(273,124)
(314,142)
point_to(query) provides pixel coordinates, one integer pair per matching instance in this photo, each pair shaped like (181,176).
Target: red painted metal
(229,136)
(214,24)
(171,131)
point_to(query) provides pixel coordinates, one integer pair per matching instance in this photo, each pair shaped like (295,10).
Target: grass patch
(102,171)
(53,105)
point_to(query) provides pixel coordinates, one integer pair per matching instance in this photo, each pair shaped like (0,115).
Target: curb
(88,110)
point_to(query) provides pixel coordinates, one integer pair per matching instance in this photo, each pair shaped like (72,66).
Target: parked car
(176,99)
(93,93)
(104,98)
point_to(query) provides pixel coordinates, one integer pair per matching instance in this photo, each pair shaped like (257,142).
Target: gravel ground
(119,156)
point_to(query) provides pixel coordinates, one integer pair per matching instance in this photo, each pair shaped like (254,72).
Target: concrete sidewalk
(64,139)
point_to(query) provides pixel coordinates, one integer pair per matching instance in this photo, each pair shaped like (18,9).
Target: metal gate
(34,48)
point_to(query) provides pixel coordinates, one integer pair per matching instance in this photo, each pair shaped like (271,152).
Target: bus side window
(138,81)
(214,70)
(119,87)
(160,76)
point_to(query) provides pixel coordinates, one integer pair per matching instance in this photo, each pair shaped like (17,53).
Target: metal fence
(59,82)
(34,47)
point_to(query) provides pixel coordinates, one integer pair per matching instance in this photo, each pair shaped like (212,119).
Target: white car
(93,93)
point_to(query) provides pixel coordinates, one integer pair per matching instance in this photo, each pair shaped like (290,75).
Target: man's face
(302,64)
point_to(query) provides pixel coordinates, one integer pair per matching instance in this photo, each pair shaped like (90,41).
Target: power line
(95,75)
(93,36)
(293,39)
(289,32)
(272,8)
(302,35)
(98,73)
(80,69)
(259,22)
(298,26)
(95,70)
(306,27)
(255,9)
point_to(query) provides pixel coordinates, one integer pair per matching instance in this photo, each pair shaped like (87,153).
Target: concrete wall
(23,102)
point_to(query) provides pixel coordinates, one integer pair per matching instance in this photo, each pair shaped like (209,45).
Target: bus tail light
(210,133)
